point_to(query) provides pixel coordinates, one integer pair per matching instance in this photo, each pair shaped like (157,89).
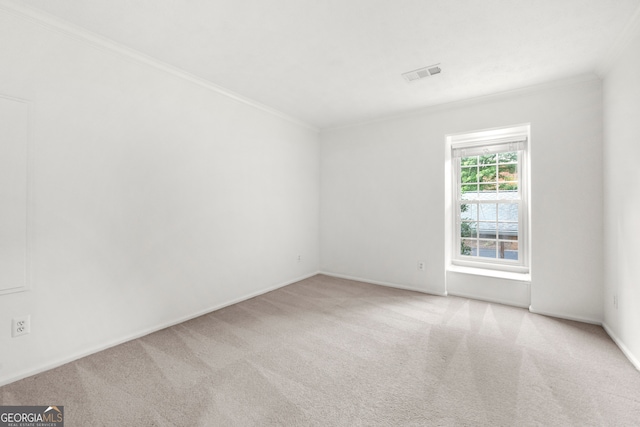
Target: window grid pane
(487,248)
(469,247)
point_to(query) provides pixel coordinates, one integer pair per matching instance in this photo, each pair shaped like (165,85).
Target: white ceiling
(334,62)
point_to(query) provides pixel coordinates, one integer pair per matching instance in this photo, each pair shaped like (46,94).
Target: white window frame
(517,138)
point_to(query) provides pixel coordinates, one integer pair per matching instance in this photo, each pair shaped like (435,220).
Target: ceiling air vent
(421,73)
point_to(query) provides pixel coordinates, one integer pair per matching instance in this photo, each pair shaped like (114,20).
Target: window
(490,201)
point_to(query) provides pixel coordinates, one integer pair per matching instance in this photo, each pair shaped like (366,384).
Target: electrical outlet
(20,326)
(299,258)
(615,301)
(421,265)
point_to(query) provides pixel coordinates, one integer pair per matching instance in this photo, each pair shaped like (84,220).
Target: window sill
(509,275)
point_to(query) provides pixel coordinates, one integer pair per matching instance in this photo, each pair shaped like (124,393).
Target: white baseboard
(54,364)
(566,316)
(380,283)
(634,361)
(510,303)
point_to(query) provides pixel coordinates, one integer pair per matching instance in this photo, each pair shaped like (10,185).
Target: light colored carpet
(333,352)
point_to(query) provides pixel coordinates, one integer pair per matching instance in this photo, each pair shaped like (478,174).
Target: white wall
(382,195)
(622,199)
(154,199)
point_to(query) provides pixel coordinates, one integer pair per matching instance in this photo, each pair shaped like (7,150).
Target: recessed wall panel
(14,134)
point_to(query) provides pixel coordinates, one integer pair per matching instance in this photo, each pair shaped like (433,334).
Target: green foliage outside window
(465,231)
(495,169)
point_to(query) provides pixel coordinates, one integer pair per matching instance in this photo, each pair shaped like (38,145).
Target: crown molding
(581,78)
(60,26)
(626,36)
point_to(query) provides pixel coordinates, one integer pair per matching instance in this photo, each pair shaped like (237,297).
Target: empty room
(319,212)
